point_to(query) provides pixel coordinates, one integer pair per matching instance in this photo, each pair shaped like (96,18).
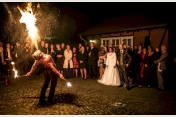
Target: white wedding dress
(111,75)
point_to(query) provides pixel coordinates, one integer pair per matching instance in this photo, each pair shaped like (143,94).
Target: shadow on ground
(67,98)
(63,98)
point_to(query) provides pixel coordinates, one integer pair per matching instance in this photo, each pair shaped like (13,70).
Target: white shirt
(121,51)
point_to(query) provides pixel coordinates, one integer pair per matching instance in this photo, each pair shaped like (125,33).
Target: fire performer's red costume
(50,73)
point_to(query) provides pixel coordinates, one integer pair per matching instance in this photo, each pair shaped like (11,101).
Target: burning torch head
(37,55)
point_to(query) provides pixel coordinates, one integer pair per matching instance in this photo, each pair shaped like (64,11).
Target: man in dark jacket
(123,61)
(92,60)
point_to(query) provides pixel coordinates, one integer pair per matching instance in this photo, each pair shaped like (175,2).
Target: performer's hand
(61,76)
(28,74)
(127,65)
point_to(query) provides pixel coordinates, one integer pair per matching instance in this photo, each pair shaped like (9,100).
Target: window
(128,40)
(105,41)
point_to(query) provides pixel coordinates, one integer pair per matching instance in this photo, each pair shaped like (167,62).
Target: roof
(124,23)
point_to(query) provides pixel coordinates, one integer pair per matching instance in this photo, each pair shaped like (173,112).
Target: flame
(16,74)
(28,17)
(12,63)
(15,71)
(69,84)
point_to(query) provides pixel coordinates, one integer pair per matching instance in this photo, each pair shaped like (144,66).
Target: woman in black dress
(52,52)
(59,58)
(82,58)
(148,67)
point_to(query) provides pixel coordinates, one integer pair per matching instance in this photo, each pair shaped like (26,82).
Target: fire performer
(50,73)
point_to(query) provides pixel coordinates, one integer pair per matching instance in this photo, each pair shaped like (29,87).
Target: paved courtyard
(85,97)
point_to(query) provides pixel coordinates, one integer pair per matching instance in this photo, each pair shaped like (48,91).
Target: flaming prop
(15,71)
(30,20)
(68,83)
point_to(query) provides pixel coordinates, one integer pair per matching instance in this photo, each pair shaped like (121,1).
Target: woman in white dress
(111,74)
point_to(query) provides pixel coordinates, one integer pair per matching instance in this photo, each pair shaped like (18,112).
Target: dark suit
(126,59)
(163,67)
(8,66)
(46,50)
(92,62)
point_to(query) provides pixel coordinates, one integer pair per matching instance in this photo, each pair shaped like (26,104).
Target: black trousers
(92,71)
(123,74)
(49,75)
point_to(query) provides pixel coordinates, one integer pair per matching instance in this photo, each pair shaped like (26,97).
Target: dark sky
(67,20)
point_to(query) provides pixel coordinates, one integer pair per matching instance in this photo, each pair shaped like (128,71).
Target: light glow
(69,84)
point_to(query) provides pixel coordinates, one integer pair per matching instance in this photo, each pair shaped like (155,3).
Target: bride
(111,74)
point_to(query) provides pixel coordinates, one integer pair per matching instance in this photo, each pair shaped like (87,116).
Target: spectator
(92,61)
(75,62)
(162,67)
(59,58)
(82,58)
(68,62)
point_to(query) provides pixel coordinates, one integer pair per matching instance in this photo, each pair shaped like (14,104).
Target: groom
(123,61)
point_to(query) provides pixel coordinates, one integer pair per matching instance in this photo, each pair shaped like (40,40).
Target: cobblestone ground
(85,97)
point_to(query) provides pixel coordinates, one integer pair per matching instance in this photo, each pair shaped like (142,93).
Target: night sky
(66,20)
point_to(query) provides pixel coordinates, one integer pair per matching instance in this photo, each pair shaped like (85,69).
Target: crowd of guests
(147,66)
(20,55)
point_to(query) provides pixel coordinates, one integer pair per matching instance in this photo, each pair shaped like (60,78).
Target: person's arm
(115,59)
(162,58)
(107,61)
(33,68)
(71,55)
(130,58)
(104,56)
(50,64)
